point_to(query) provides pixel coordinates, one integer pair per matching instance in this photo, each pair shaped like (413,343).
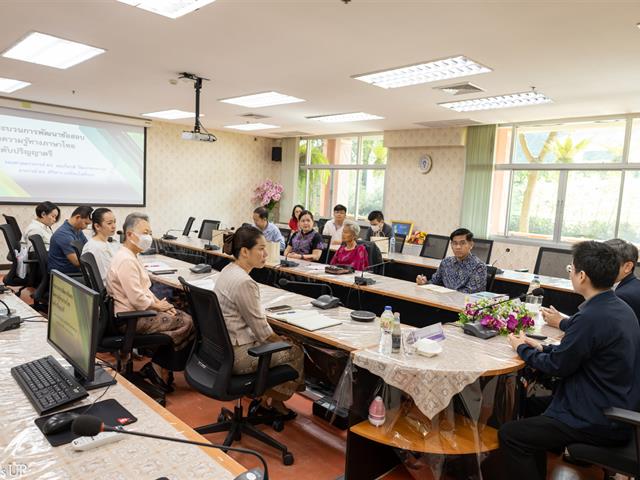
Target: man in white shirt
(334,227)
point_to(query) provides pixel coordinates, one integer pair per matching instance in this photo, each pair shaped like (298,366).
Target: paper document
(436,288)
(308,319)
(158,267)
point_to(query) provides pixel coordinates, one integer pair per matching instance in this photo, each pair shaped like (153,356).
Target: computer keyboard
(47,384)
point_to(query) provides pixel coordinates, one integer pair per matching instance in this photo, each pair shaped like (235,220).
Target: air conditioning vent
(460,88)
(291,134)
(255,116)
(458,122)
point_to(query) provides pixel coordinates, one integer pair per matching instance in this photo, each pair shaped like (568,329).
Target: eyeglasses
(569,268)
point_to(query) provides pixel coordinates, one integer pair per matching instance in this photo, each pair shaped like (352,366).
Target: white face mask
(376,228)
(144,241)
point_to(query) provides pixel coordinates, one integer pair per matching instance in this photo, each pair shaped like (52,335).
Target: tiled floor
(319,448)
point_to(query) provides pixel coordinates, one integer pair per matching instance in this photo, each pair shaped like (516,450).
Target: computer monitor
(73,328)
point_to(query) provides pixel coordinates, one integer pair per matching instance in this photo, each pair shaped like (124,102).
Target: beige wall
(204,180)
(433,201)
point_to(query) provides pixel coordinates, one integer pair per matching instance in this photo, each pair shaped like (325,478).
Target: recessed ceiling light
(501,101)
(168,8)
(9,85)
(346,117)
(264,99)
(51,51)
(170,114)
(251,126)
(433,71)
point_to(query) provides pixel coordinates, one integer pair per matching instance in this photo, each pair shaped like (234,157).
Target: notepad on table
(159,268)
(307,319)
(436,288)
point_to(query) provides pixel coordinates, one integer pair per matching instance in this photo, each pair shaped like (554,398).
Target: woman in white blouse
(102,244)
(47,214)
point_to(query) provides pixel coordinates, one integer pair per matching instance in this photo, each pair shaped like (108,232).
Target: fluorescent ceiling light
(346,117)
(9,85)
(502,101)
(264,99)
(433,71)
(51,51)
(168,8)
(251,126)
(171,114)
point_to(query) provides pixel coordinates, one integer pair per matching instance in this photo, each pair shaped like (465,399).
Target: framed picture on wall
(402,227)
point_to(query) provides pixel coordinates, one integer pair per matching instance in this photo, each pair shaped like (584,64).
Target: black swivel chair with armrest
(400,239)
(624,459)
(374,256)
(553,262)
(13,223)
(207,227)
(187,228)
(320,224)
(209,371)
(482,249)
(78,246)
(11,278)
(286,233)
(491,277)
(326,240)
(111,339)
(435,246)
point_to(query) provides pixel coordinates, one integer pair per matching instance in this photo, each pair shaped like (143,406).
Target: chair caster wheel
(278,425)
(221,418)
(287,458)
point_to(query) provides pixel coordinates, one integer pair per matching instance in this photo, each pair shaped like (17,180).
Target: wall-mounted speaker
(276,154)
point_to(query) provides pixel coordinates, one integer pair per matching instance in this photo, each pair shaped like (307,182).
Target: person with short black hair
(378,227)
(333,228)
(102,245)
(244,316)
(295,216)
(306,243)
(47,214)
(597,361)
(269,230)
(464,271)
(62,256)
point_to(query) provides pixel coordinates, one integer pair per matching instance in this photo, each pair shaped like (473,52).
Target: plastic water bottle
(386,325)
(396,334)
(392,245)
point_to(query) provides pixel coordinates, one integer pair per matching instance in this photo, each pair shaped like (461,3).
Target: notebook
(306,319)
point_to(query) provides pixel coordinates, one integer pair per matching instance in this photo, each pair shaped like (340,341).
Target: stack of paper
(308,319)
(436,288)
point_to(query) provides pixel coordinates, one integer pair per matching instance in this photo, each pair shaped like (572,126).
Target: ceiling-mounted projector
(198,136)
(195,134)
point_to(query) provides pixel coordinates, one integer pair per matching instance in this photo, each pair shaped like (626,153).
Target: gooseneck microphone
(500,257)
(361,280)
(209,245)
(288,263)
(324,302)
(90,426)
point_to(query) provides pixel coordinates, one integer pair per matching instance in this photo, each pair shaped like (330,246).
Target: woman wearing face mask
(129,285)
(306,244)
(239,297)
(47,214)
(101,244)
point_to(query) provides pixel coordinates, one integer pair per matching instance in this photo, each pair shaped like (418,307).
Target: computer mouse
(58,423)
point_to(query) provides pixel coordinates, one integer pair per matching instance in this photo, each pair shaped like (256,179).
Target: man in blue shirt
(597,361)
(464,271)
(269,230)
(62,257)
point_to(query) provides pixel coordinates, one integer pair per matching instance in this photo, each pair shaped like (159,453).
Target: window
(564,182)
(349,170)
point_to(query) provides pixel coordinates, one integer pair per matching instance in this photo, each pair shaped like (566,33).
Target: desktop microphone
(8,321)
(500,257)
(323,302)
(209,246)
(166,235)
(361,280)
(90,426)
(288,263)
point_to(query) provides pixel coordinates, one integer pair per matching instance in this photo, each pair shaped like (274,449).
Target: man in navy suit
(627,286)
(597,362)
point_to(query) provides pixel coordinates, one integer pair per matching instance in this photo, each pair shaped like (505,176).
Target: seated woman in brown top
(239,298)
(129,285)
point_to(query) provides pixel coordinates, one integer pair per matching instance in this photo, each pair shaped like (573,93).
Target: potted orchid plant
(268,194)
(506,317)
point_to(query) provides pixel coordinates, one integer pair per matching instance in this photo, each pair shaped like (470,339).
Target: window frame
(564,168)
(359,167)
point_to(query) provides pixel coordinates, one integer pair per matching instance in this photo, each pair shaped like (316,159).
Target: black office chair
(207,227)
(491,277)
(209,371)
(187,227)
(111,339)
(320,224)
(41,280)
(435,246)
(553,262)
(13,223)
(286,233)
(375,256)
(624,459)
(11,278)
(637,270)
(326,240)
(363,232)
(482,249)
(400,239)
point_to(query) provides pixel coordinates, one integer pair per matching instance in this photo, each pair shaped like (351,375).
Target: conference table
(458,399)
(25,453)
